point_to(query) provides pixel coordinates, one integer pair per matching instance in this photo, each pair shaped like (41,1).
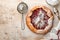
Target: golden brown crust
(30,26)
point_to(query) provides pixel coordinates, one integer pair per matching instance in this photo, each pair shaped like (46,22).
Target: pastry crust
(50,20)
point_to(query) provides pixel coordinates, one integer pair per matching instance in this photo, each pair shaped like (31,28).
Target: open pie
(39,19)
(58,33)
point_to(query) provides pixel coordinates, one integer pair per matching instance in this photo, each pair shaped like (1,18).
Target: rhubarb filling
(39,18)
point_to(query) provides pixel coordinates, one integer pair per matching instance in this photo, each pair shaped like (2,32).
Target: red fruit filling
(39,18)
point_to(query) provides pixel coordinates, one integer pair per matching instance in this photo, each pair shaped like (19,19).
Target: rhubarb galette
(39,19)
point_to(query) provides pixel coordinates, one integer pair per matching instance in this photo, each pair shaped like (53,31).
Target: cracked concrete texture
(9,20)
